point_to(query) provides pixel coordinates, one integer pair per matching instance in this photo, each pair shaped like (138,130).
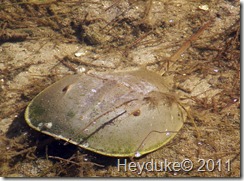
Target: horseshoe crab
(120,114)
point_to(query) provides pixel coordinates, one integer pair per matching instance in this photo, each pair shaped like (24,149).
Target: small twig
(65,160)
(139,40)
(24,151)
(185,46)
(147,9)
(72,162)
(116,2)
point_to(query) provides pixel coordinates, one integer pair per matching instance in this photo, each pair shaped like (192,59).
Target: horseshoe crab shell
(121,114)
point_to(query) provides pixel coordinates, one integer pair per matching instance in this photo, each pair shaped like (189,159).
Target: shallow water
(39,46)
